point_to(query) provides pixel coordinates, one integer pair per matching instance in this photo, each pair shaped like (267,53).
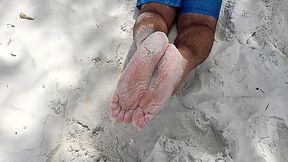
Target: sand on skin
(59,80)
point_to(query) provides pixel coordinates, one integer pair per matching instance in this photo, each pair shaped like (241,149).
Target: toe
(115,100)
(116,112)
(148,118)
(136,116)
(128,116)
(120,116)
(141,123)
(114,106)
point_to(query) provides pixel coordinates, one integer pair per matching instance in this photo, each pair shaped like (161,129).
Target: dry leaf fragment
(24,16)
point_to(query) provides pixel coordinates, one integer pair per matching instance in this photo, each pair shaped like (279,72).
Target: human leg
(194,43)
(194,40)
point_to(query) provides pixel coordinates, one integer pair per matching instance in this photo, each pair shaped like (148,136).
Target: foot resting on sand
(135,80)
(168,72)
(139,95)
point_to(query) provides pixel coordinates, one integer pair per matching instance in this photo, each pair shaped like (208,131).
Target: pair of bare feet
(148,81)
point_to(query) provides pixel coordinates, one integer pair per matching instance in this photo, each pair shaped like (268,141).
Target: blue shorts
(206,7)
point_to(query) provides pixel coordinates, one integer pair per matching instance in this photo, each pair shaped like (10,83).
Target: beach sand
(59,67)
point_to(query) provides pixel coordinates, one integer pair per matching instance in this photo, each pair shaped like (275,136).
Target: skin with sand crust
(136,77)
(168,73)
(154,93)
(139,95)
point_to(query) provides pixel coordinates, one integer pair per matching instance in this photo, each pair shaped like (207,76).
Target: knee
(151,20)
(195,36)
(146,24)
(196,41)
(196,20)
(163,12)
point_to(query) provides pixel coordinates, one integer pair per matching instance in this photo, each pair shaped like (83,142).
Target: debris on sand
(11,25)
(24,16)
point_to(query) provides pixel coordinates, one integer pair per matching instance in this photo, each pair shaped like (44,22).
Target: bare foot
(135,80)
(168,73)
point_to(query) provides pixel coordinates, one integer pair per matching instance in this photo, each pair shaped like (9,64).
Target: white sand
(57,74)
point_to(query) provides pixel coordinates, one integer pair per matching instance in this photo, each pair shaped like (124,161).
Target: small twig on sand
(267,107)
(83,125)
(260,90)
(118,48)
(8,43)
(230,155)
(242,78)
(11,25)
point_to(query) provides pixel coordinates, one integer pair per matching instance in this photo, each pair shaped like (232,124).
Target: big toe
(136,116)
(128,116)
(142,122)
